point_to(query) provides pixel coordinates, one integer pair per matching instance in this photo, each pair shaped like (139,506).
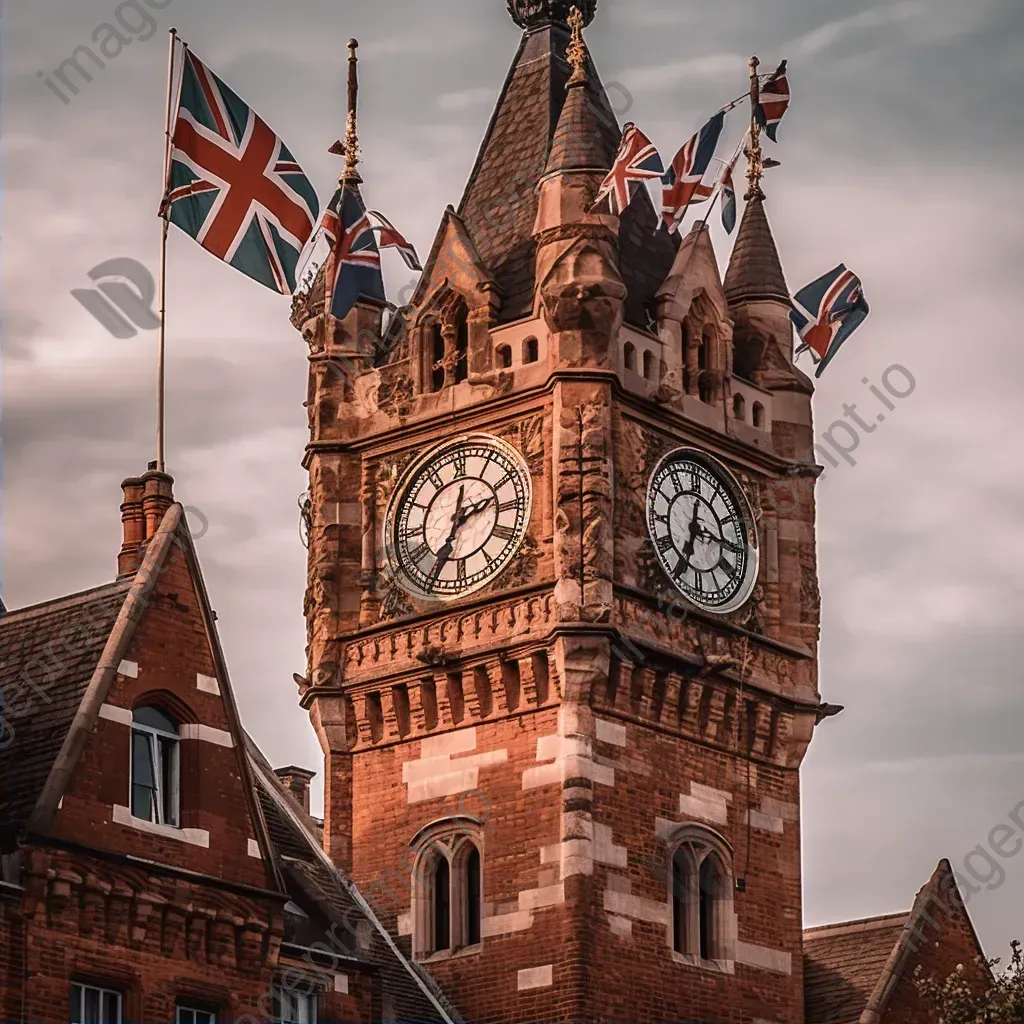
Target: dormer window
(155,767)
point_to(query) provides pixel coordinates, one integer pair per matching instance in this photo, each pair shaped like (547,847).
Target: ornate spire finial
(349,146)
(533,14)
(755,161)
(576,54)
(352,153)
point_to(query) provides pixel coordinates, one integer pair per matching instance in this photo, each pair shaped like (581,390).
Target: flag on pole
(682,182)
(391,238)
(729,189)
(354,264)
(636,161)
(827,312)
(233,184)
(773,101)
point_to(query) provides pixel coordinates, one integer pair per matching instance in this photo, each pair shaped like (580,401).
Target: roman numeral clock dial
(458,517)
(702,529)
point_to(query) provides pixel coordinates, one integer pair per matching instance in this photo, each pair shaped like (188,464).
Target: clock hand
(445,551)
(480,506)
(708,535)
(694,528)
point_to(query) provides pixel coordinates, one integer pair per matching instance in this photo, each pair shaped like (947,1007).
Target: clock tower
(562,604)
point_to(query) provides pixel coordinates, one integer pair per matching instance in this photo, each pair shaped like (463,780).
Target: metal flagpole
(164,228)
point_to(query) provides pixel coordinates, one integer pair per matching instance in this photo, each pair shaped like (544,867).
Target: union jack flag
(391,238)
(353,269)
(636,160)
(827,312)
(683,181)
(233,184)
(773,101)
(729,189)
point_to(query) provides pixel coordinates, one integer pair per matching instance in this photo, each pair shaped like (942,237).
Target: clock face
(702,530)
(458,517)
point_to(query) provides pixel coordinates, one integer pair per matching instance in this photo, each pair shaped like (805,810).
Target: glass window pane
(154,719)
(111,1003)
(92,1006)
(169,780)
(473,897)
(442,904)
(142,764)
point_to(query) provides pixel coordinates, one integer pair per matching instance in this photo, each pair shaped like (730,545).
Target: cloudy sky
(901,156)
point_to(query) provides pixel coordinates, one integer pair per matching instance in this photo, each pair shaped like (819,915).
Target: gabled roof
(851,969)
(48,654)
(315,883)
(84,658)
(842,965)
(499,206)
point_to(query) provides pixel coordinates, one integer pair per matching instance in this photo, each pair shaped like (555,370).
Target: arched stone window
(649,365)
(447,887)
(503,357)
(629,355)
(701,897)
(531,351)
(437,359)
(758,415)
(155,766)
(739,407)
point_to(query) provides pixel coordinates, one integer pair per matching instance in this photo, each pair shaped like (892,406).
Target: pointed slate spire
(755,271)
(578,142)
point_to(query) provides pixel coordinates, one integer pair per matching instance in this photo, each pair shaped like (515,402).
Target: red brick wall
(944,942)
(596,974)
(170,647)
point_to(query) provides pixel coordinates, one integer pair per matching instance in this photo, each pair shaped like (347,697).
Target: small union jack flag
(391,238)
(353,268)
(773,102)
(729,189)
(683,181)
(637,160)
(233,184)
(827,312)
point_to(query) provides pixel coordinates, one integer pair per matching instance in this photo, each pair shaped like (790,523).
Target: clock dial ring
(702,529)
(458,517)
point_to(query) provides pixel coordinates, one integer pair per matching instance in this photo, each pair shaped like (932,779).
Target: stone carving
(395,396)
(498,623)
(528,437)
(810,595)
(523,569)
(764,662)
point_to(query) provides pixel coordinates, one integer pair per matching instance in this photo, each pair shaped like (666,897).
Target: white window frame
(78,994)
(195,1015)
(282,998)
(153,737)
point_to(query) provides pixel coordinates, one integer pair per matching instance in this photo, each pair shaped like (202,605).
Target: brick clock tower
(562,645)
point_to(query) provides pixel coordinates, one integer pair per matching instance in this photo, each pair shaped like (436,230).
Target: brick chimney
(146,500)
(296,781)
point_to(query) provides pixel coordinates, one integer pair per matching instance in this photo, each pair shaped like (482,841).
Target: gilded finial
(349,146)
(352,152)
(576,54)
(755,160)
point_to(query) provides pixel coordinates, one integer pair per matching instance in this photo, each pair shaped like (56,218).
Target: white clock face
(458,517)
(702,529)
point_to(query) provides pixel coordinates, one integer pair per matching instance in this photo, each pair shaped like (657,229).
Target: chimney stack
(296,781)
(146,501)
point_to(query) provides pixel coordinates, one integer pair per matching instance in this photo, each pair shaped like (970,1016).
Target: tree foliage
(958,1000)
